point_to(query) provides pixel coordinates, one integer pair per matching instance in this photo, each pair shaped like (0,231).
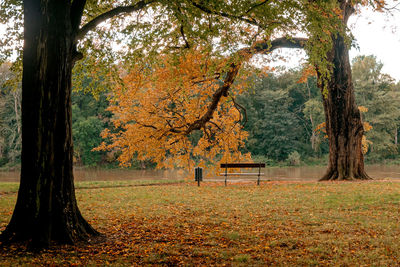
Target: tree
(156,113)
(376,91)
(46,208)
(344,126)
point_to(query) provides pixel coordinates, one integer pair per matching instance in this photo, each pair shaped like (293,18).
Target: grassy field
(280,224)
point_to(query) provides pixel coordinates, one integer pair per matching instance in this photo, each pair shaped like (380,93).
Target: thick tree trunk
(343,120)
(46,208)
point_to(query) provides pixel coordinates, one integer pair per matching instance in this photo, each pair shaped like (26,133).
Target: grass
(280,224)
(10,187)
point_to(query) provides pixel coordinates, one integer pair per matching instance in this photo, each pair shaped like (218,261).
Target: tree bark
(343,120)
(46,208)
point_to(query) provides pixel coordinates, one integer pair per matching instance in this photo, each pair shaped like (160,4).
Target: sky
(378,34)
(375,33)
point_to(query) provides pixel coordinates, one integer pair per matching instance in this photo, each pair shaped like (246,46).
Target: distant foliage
(278,119)
(10,117)
(377,93)
(88,120)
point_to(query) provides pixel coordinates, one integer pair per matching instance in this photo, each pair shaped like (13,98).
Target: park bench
(227,166)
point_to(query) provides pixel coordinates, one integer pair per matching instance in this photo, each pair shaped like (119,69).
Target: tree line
(283,114)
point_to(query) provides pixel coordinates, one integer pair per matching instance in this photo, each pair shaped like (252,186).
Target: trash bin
(198,174)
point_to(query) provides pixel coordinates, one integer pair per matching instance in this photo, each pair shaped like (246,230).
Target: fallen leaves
(273,224)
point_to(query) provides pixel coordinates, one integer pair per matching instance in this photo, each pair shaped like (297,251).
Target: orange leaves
(308,71)
(367,126)
(362,109)
(158,104)
(321,128)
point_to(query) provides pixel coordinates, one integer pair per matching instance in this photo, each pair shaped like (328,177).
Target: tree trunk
(46,208)
(343,120)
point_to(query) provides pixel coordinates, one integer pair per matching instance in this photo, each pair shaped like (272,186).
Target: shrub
(294,158)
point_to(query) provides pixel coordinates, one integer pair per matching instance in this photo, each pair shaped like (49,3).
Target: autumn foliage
(156,105)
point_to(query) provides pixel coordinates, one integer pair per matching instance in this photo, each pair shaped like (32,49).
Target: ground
(277,223)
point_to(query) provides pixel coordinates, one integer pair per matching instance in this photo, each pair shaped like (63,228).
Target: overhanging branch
(261,47)
(112,13)
(77,8)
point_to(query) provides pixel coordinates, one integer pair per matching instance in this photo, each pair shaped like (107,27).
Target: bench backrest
(242,165)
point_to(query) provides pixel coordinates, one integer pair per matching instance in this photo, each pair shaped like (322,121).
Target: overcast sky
(378,34)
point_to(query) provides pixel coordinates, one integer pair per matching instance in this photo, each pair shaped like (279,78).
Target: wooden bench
(227,166)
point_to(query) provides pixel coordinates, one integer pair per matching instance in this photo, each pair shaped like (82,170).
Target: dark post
(259,174)
(226,173)
(198,175)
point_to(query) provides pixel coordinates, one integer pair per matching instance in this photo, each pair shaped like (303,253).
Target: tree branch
(263,47)
(223,14)
(77,8)
(257,5)
(240,107)
(244,54)
(112,13)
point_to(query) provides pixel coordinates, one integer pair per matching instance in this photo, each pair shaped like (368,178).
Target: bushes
(294,158)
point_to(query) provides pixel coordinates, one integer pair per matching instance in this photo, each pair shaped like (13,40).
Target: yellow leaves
(365,144)
(367,126)
(362,109)
(337,11)
(157,104)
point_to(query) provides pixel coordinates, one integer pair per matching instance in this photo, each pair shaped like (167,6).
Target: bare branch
(256,5)
(216,125)
(146,125)
(207,79)
(240,107)
(184,37)
(223,14)
(112,13)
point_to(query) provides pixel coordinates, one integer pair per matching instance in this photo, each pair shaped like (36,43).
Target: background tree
(275,106)
(10,116)
(377,92)
(159,105)
(89,119)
